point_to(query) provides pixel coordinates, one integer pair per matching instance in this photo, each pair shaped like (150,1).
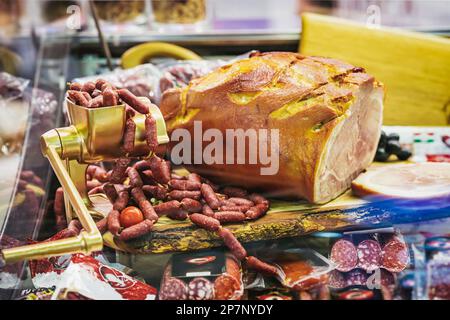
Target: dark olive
(404,155)
(393,137)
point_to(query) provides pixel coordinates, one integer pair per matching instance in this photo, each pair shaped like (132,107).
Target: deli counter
(224,150)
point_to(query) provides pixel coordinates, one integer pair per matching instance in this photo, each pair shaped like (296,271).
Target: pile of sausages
(180,198)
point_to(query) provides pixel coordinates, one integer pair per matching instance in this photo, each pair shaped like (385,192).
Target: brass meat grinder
(94,135)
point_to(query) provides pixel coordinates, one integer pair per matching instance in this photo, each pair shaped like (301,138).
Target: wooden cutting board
(284,219)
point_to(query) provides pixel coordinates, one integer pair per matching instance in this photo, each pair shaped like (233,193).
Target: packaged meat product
(300,269)
(206,275)
(293,98)
(86,277)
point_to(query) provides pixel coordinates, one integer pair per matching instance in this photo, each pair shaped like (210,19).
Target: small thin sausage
(229,216)
(234,208)
(122,200)
(75,225)
(91,184)
(185,185)
(155,191)
(210,196)
(75,86)
(174,176)
(96,93)
(135,178)
(180,195)
(133,101)
(109,98)
(110,192)
(97,102)
(102,225)
(129,111)
(78,98)
(180,214)
(207,211)
(205,222)
(257,211)
(136,230)
(87,96)
(257,198)
(118,173)
(160,169)
(114,222)
(167,208)
(241,201)
(96,172)
(151,134)
(194,177)
(99,83)
(88,87)
(261,266)
(96,190)
(129,135)
(191,205)
(232,243)
(107,85)
(147,177)
(58,205)
(138,195)
(142,165)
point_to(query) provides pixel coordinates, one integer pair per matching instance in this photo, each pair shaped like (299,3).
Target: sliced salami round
(336,280)
(344,256)
(173,289)
(226,287)
(200,289)
(395,255)
(369,255)
(356,277)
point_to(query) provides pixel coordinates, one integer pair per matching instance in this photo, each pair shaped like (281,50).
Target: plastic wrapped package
(367,264)
(88,278)
(300,269)
(91,277)
(142,81)
(206,275)
(178,74)
(10,274)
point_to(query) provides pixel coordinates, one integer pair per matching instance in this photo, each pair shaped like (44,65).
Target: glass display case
(93,191)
